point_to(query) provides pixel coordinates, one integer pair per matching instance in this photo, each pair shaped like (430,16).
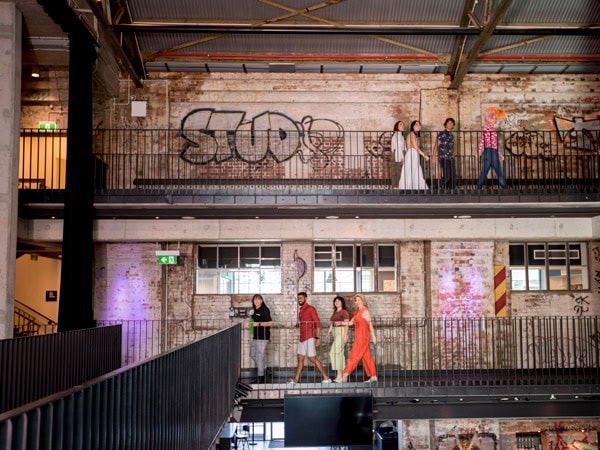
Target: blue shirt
(445,145)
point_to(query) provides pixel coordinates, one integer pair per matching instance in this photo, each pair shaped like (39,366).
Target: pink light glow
(461,290)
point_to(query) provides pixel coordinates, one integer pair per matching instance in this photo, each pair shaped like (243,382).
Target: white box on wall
(138,108)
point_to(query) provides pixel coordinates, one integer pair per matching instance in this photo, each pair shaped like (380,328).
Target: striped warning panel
(500,291)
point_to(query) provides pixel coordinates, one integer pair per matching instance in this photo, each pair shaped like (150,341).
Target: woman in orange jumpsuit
(360,348)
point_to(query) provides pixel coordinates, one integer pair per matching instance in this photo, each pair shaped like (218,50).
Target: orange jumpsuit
(360,347)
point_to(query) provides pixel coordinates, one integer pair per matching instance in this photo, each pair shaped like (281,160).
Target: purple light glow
(129,293)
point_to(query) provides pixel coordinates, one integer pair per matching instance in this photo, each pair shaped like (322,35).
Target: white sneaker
(326,380)
(371,380)
(291,381)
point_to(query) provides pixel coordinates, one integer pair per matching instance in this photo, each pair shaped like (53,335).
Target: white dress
(411,176)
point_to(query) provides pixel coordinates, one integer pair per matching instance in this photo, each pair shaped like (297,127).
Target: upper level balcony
(301,173)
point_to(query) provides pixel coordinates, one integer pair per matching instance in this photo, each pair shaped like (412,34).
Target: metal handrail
(158,160)
(427,350)
(177,400)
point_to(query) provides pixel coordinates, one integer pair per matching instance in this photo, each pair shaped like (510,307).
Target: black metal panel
(36,366)
(389,409)
(173,401)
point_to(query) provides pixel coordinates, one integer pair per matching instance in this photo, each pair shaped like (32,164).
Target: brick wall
(356,102)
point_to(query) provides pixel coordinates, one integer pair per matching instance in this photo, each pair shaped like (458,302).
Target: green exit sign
(47,126)
(167,259)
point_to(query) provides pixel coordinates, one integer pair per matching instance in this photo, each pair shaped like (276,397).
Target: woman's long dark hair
(412,128)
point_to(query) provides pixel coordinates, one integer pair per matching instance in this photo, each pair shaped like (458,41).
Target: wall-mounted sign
(167,259)
(47,126)
(51,296)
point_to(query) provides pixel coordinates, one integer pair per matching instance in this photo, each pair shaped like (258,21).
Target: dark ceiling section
(342,36)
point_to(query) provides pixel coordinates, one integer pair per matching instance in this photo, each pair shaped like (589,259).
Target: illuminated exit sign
(167,259)
(47,126)
(167,256)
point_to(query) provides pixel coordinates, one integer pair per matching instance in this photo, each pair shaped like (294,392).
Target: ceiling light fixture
(35,72)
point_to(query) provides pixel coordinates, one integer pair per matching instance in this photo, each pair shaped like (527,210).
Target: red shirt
(309,321)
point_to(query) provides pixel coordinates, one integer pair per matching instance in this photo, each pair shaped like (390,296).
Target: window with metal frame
(238,269)
(354,268)
(548,266)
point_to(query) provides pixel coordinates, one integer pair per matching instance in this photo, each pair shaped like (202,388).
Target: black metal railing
(36,366)
(179,400)
(174,159)
(29,322)
(427,351)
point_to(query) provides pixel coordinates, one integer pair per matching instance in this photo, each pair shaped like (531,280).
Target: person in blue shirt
(444,150)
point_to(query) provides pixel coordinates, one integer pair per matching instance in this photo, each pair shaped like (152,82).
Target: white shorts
(307,348)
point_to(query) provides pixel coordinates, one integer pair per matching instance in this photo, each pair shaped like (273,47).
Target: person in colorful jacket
(489,152)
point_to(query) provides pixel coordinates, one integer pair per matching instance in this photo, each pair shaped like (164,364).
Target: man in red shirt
(310,331)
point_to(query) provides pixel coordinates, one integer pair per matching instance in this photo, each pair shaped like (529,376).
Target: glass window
(555,266)
(354,268)
(235,269)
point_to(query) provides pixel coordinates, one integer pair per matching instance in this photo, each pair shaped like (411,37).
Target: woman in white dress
(411,176)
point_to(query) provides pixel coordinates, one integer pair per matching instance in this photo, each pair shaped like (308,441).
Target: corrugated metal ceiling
(356,36)
(428,36)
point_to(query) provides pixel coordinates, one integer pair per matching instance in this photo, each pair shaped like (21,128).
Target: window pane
(227,283)
(344,256)
(516,254)
(518,280)
(270,282)
(248,281)
(387,280)
(344,280)
(366,256)
(365,280)
(579,279)
(228,257)
(207,257)
(557,279)
(577,255)
(206,282)
(271,256)
(557,255)
(537,279)
(323,280)
(387,256)
(249,257)
(323,256)
(536,254)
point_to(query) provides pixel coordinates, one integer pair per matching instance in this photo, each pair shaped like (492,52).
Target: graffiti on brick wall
(562,438)
(467,440)
(578,133)
(554,351)
(211,135)
(574,134)
(581,305)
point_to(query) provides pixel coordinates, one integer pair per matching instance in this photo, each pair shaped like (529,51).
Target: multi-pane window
(238,269)
(548,266)
(354,268)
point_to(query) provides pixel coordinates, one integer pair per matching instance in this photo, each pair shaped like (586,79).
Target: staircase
(29,322)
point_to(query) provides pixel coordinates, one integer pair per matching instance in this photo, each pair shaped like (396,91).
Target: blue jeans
(490,160)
